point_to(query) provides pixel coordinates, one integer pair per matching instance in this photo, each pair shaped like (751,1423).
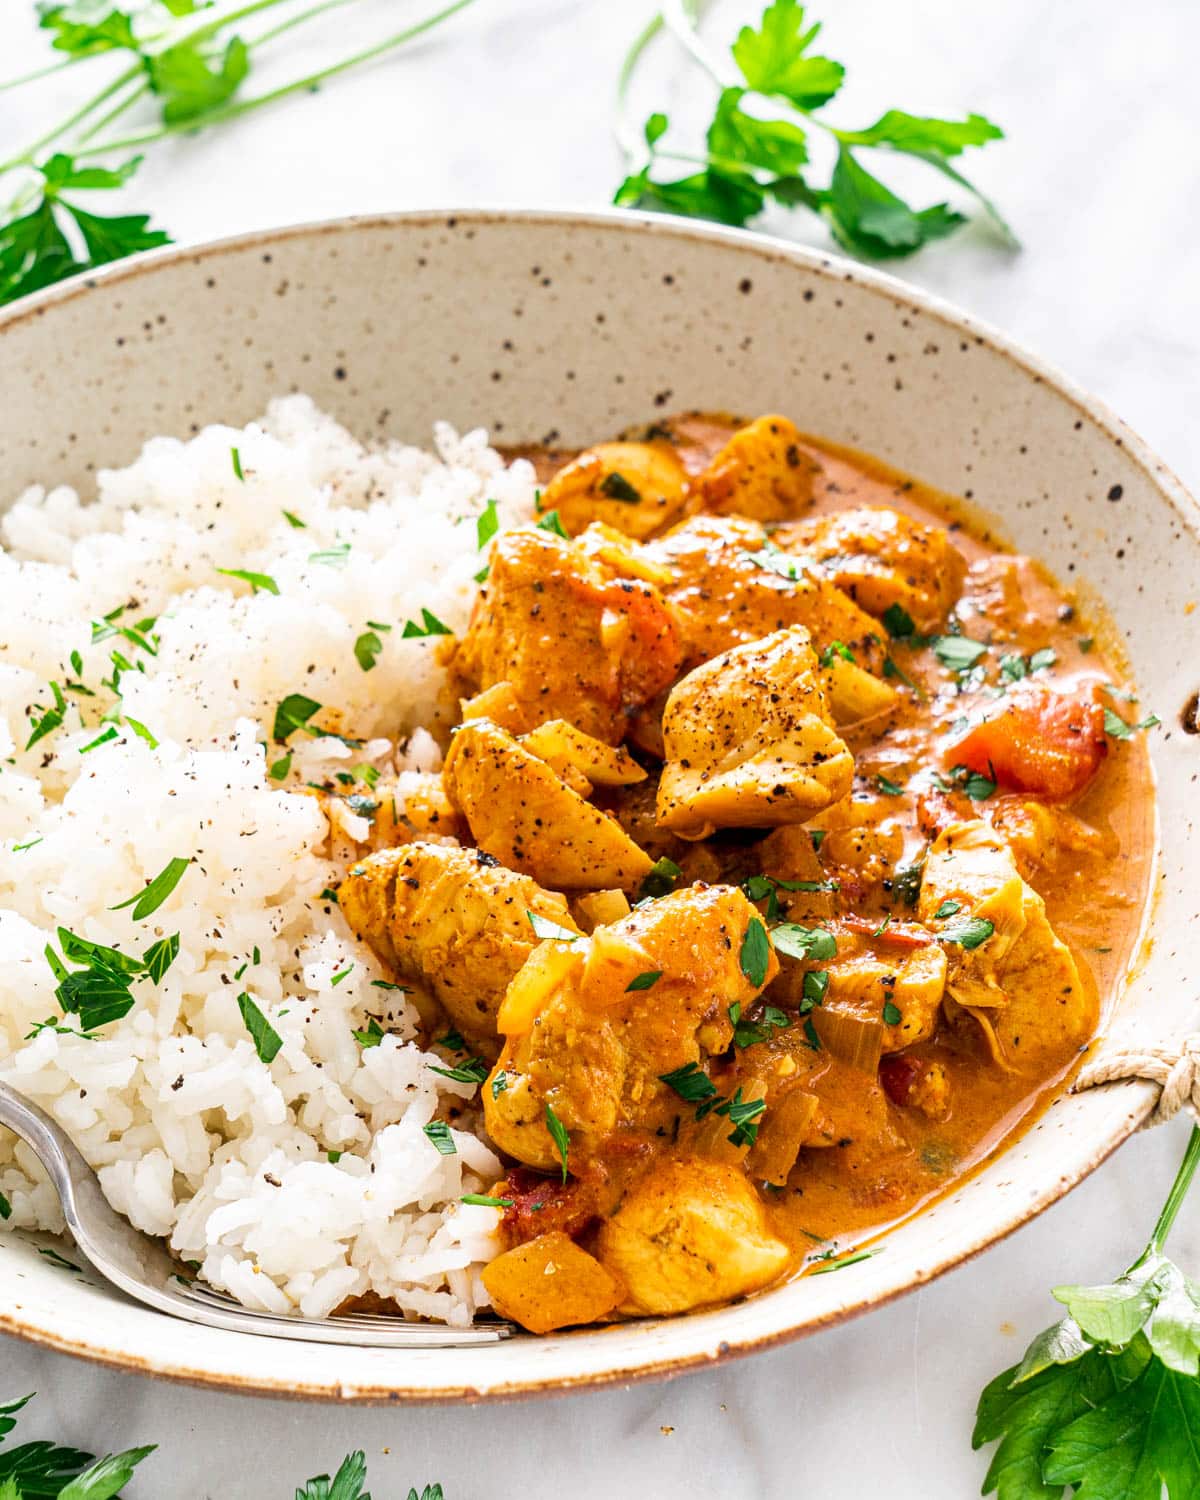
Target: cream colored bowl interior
(567,328)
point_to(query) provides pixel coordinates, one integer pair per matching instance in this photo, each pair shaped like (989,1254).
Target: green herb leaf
(803,942)
(558,1133)
(151,897)
(294,521)
(483,1200)
(616,487)
(266,1039)
(690,1082)
(6,1212)
(957,652)
(487,524)
(544,928)
(235,455)
(371,1036)
(745,1117)
(336,556)
(192,77)
(159,957)
(105,1478)
(754,957)
(660,880)
(552,522)
(750,1033)
(141,731)
(430,625)
(474,1070)
(293,713)
(888,787)
(773,58)
(105,737)
(257,581)
(439,1133)
(366,648)
(969,933)
(1115,725)
(499,1084)
(947,909)
(898,622)
(833,651)
(891,1013)
(279,768)
(645,981)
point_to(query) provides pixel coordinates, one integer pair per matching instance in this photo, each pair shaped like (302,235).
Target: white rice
(194,1137)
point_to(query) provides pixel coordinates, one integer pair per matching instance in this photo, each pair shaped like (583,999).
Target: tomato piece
(897,1074)
(541,1205)
(1040,741)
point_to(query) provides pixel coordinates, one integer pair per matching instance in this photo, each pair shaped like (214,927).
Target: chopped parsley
(744,1116)
(754,957)
(159,957)
(152,896)
(562,1140)
(891,1013)
(386,984)
(833,651)
(342,974)
(888,787)
(969,933)
(487,524)
(280,768)
(839,1263)
(104,738)
(544,928)
(552,522)
(438,1133)
(1119,728)
(235,455)
(947,909)
(5,1207)
(474,1070)
(266,1039)
(773,560)
(660,880)
(645,981)
(958,653)
(499,1084)
(366,648)
(50,720)
(898,623)
(430,625)
(336,556)
(294,521)
(257,581)
(141,731)
(485,1200)
(804,942)
(816,983)
(690,1082)
(293,713)
(1085,643)
(371,1036)
(906,882)
(615,486)
(749,1033)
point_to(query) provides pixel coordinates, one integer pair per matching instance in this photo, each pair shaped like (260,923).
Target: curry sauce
(801,835)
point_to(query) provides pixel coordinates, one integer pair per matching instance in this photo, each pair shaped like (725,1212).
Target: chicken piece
(1006,965)
(522,811)
(762,472)
(854,694)
(567,635)
(582,1041)
(561,745)
(452,919)
(1039,833)
(750,741)
(787,856)
(1036,740)
(636,488)
(549,1282)
(862,847)
(730,588)
(883,558)
(689,1234)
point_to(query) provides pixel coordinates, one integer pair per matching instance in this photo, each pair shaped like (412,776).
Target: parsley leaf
(266,1039)
(293,713)
(690,1082)
(552,521)
(645,981)
(800,942)
(1114,725)
(969,933)
(366,648)
(754,957)
(561,1138)
(958,653)
(438,1132)
(152,896)
(487,524)
(661,879)
(257,581)
(430,625)
(371,1036)
(773,59)
(544,928)
(616,487)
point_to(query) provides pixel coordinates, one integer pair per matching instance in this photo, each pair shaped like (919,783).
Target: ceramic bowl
(565,327)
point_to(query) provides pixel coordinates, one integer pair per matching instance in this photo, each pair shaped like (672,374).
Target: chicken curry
(790,837)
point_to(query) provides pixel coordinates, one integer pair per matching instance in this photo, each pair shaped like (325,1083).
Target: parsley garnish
(749,1033)
(366,648)
(660,880)
(1115,725)
(474,1070)
(294,521)
(544,928)
(257,581)
(342,974)
(969,933)
(336,556)
(888,787)
(5,1213)
(439,1133)
(152,896)
(551,521)
(752,160)
(236,456)
(499,1084)
(891,1013)
(50,720)
(947,909)
(816,982)
(484,1200)
(754,957)
(616,487)
(744,1116)
(430,625)
(834,650)
(141,731)
(159,957)
(280,768)
(561,1138)
(487,524)
(690,1082)
(645,981)
(840,1262)
(266,1039)
(898,622)
(105,737)
(958,653)
(293,713)
(372,1036)
(1108,1399)
(803,942)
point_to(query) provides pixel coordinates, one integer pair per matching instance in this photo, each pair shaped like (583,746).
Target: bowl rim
(1132,1100)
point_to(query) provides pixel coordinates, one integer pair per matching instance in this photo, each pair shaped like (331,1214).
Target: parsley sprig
(1108,1399)
(756,150)
(187,65)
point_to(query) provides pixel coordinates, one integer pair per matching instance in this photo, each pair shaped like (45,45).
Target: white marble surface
(510,106)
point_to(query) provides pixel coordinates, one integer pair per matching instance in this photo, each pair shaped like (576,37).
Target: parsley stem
(55,67)
(1179,1191)
(311,81)
(681,18)
(628,138)
(73,119)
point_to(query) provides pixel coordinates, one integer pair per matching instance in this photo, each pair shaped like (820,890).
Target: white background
(510,105)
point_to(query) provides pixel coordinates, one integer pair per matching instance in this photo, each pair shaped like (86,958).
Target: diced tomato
(542,1204)
(1040,741)
(899,934)
(936,810)
(898,1074)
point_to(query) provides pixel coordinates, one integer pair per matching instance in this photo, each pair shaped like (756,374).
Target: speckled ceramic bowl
(569,327)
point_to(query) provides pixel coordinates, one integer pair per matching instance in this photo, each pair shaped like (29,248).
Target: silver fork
(141,1268)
